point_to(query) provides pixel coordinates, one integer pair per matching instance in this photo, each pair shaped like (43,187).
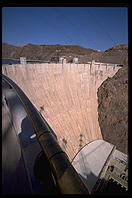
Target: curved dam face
(66,96)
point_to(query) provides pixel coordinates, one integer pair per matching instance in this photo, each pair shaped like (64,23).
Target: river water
(10,61)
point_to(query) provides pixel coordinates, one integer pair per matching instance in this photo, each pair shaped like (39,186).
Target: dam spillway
(66,96)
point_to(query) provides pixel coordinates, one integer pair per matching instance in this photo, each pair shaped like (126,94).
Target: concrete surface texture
(66,96)
(93,161)
(90,161)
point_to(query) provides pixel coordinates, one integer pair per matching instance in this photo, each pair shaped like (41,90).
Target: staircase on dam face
(66,96)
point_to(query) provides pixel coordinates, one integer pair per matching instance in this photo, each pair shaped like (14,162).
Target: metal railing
(67,178)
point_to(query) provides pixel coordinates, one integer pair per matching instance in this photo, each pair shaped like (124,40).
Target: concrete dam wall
(66,96)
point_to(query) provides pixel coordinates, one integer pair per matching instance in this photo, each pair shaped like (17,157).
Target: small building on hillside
(75,60)
(62,59)
(22,60)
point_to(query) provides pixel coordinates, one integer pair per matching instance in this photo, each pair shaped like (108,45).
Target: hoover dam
(51,138)
(66,96)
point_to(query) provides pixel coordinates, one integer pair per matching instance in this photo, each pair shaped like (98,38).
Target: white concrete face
(90,161)
(68,93)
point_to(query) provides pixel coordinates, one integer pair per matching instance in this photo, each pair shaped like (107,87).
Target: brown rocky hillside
(113,109)
(52,53)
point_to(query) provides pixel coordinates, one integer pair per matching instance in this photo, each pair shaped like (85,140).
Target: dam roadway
(66,96)
(37,165)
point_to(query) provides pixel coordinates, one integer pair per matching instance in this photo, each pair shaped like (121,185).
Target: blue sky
(98,28)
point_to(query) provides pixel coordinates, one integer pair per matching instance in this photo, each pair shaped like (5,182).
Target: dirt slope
(51,53)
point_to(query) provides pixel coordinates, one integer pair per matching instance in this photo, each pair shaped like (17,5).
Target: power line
(101,27)
(75,27)
(126,26)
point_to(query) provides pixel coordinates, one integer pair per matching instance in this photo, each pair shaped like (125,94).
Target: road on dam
(16,177)
(32,160)
(66,96)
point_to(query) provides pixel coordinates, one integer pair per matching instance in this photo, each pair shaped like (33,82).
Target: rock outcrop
(113,109)
(52,53)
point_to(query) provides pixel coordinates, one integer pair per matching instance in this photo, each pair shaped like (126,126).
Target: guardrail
(67,179)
